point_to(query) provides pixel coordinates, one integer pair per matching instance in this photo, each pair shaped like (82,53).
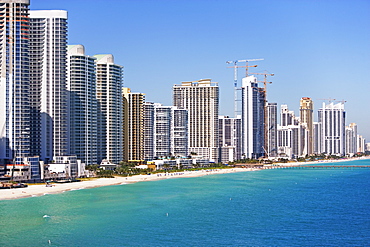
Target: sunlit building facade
(109,78)
(81,86)
(253,110)
(201,99)
(48,80)
(332,118)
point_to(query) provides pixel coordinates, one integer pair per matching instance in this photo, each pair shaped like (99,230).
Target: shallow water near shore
(290,207)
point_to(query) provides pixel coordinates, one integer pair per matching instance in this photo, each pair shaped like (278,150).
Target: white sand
(39,190)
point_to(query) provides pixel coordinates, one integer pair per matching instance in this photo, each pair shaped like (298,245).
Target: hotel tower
(14,81)
(201,99)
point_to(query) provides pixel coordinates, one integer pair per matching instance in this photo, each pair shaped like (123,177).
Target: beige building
(201,99)
(306,117)
(133,125)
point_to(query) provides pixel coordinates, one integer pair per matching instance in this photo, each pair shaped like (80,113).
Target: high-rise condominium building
(317,138)
(81,86)
(170,131)
(201,99)
(165,131)
(14,81)
(230,142)
(306,117)
(253,110)
(148,131)
(109,78)
(133,105)
(351,139)
(48,57)
(271,129)
(332,118)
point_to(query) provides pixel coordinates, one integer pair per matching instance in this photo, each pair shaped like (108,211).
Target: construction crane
(265,127)
(330,100)
(236,77)
(264,80)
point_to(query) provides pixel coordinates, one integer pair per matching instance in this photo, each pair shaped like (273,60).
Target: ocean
(282,207)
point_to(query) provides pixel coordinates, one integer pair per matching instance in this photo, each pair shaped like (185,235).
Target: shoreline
(41,189)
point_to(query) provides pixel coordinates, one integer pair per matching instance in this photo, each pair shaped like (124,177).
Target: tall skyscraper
(14,82)
(332,118)
(271,113)
(148,131)
(48,58)
(201,99)
(109,77)
(306,117)
(81,86)
(253,110)
(230,142)
(134,125)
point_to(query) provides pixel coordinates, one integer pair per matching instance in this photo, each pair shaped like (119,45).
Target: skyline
(167,42)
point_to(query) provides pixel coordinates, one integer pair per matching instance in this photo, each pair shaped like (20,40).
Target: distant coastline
(42,189)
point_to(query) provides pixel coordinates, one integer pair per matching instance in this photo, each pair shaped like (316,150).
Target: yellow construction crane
(265,127)
(264,79)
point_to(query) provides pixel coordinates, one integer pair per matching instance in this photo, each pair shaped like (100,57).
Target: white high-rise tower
(332,118)
(81,86)
(14,80)
(109,78)
(253,102)
(48,81)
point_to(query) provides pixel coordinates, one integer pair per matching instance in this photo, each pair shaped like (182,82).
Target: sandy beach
(41,189)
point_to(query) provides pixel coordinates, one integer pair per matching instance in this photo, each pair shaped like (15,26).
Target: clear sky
(315,48)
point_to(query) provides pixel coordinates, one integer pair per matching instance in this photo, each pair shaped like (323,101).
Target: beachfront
(41,189)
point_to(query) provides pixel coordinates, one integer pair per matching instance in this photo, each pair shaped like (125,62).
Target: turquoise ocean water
(294,207)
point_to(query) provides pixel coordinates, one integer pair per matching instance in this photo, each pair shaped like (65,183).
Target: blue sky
(315,48)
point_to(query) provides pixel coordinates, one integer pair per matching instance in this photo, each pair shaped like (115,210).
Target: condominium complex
(14,85)
(109,77)
(253,110)
(332,118)
(201,99)
(133,142)
(306,117)
(81,86)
